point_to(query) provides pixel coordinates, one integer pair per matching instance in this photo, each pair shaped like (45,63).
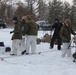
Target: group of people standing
(26,29)
(62,33)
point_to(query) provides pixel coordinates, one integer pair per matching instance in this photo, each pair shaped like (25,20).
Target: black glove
(11,32)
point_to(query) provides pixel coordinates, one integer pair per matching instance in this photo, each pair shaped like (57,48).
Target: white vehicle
(43,25)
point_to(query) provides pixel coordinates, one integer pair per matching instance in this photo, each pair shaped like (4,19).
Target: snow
(47,63)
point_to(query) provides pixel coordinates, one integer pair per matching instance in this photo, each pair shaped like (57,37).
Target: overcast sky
(70,1)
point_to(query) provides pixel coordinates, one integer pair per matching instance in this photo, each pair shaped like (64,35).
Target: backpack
(2,44)
(7,49)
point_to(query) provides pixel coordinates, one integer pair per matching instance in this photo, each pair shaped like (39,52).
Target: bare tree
(42,9)
(30,5)
(22,8)
(2,10)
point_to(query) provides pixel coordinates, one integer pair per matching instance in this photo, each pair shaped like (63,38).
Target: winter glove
(23,36)
(11,32)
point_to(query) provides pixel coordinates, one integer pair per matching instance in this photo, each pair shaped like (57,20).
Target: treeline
(39,10)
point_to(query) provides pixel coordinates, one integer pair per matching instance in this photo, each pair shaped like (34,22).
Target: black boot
(23,52)
(73,60)
(27,53)
(59,48)
(13,54)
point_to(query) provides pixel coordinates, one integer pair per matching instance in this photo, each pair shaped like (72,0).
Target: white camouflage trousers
(31,41)
(23,45)
(66,50)
(16,47)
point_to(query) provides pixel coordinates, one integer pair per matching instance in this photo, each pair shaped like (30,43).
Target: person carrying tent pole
(65,34)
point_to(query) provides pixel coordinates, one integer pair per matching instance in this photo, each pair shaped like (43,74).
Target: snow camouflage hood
(23,18)
(67,21)
(28,17)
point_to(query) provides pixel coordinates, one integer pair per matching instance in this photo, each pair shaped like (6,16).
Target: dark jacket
(57,26)
(17,33)
(65,33)
(31,28)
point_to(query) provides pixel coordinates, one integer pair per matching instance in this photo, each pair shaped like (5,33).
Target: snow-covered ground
(49,63)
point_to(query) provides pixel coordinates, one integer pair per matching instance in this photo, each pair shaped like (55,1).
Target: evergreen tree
(42,9)
(55,10)
(30,4)
(74,11)
(66,11)
(72,15)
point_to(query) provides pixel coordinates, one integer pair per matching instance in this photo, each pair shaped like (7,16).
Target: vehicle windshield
(1,21)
